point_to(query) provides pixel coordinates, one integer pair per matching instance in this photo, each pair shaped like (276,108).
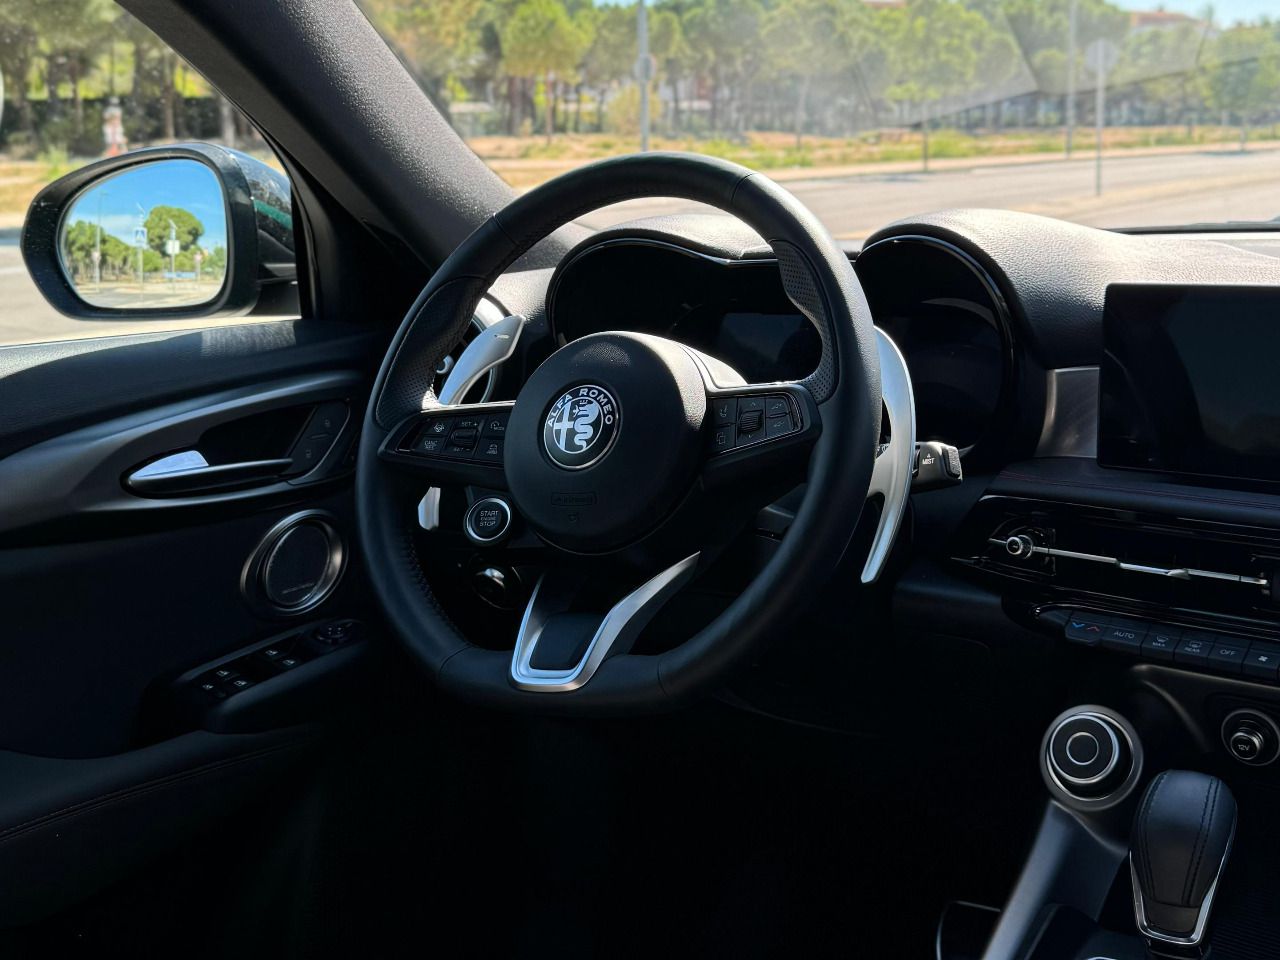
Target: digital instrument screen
(1190,381)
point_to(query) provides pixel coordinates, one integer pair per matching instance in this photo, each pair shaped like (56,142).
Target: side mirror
(192,230)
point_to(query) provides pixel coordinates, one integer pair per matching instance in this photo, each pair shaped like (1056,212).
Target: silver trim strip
(619,629)
(891,477)
(1176,573)
(1070,427)
(1202,919)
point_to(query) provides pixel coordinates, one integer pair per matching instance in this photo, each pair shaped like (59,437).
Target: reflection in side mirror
(153,237)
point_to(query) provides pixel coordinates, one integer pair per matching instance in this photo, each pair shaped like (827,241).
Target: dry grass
(528,161)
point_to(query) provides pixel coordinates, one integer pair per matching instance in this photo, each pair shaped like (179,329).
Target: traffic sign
(1101,55)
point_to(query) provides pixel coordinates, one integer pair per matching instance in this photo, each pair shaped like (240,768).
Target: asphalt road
(1207,186)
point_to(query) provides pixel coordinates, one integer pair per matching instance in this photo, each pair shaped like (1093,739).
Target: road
(1165,189)
(1171,188)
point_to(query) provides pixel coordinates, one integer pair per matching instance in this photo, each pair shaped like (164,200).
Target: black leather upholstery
(1181,834)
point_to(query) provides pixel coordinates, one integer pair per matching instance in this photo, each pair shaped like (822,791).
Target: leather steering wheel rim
(817,276)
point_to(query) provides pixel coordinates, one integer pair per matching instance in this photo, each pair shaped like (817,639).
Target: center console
(1149,560)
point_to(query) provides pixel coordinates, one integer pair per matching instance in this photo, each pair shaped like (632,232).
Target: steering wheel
(625,452)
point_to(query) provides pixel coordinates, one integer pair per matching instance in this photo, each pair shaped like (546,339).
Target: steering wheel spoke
(462,444)
(756,427)
(564,638)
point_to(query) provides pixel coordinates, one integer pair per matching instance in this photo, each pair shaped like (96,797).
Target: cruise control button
(490,450)
(777,407)
(495,425)
(750,422)
(1262,661)
(463,436)
(778,426)
(1227,657)
(430,445)
(1124,636)
(438,428)
(1086,628)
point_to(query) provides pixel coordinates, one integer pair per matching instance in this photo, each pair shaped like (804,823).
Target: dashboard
(938,305)
(1108,469)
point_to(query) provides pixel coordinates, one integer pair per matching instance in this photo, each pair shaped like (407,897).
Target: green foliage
(541,38)
(163,219)
(724,67)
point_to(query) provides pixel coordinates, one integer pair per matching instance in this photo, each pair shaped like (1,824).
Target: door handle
(189,472)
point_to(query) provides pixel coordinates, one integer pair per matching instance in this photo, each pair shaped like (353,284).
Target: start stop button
(488,521)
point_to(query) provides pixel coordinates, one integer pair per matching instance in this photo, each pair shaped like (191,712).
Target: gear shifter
(1182,836)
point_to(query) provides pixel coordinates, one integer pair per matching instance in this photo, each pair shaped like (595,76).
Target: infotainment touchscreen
(1190,380)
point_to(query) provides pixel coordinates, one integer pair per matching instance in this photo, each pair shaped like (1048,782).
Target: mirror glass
(153,237)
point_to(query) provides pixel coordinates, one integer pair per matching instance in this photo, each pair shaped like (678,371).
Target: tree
(723,36)
(669,47)
(437,38)
(542,40)
(161,219)
(18,48)
(811,39)
(609,58)
(1244,74)
(934,54)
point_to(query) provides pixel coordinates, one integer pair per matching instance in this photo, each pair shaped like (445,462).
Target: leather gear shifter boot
(1181,837)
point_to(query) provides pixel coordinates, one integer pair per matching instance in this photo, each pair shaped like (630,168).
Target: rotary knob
(1091,758)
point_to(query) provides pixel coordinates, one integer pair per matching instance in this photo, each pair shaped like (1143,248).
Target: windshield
(1124,114)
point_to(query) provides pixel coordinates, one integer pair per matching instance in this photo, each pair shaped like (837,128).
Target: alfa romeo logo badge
(581,426)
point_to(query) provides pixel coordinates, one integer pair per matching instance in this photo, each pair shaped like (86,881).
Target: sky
(1225,12)
(176,183)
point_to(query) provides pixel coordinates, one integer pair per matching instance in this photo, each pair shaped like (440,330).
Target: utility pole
(644,71)
(1072,21)
(1101,56)
(1100,108)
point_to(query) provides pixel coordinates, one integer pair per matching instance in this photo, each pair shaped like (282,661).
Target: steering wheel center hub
(604,439)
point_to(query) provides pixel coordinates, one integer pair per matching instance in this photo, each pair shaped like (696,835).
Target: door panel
(108,595)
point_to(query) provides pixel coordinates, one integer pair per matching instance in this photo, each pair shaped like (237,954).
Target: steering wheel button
(430,445)
(724,411)
(438,428)
(490,450)
(777,407)
(778,426)
(463,437)
(467,423)
(495,426)
(750,421)
(722,438)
